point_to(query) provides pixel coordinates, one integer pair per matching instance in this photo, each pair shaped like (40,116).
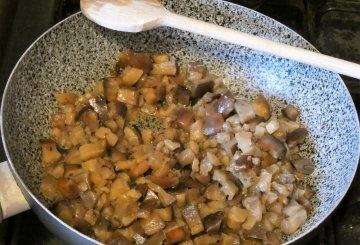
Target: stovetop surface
(333,27)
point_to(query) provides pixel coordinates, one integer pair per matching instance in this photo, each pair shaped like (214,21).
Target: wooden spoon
(142,15)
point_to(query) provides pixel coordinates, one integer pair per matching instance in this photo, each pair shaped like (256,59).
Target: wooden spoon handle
(279,49)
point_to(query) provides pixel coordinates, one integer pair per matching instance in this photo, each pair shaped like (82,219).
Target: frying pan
(75,53)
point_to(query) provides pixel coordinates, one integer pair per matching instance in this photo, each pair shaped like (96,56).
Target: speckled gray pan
(76,53)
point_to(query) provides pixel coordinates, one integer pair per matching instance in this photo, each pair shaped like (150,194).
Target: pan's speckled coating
(76,53)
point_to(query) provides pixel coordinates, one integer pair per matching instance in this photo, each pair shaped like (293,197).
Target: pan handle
(12,200)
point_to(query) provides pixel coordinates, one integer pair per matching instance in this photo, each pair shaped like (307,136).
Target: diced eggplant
(166,181)
(171,145)
(213,124)
(214,193)
(201,87)
(156,239)
(128,96)
(164,213)
(227,185)
(101,231)
(108,135)
(139,60)
(193,196)
(77,135)
(91,216)
(287,126)
(66,213)
(229,239)
(118,239)
(253,206)
(291,112)
(196,71)
(84,109)
(121,109)
(82,180)
(130,76)
(243,162)
(67,188)
(272,239)
(196,130)
(230,146)
(272,145)
(100,107)
(296,137)
(88,198)
(147,207)
(206,239)
(261,107)
(149,95)
(157,85)
(160,58)
(183,118)
(142,189)
(257,232)
(165,198)
(72,170)
(49,188)
(192,218)
(236,200)
(175,235)
(153,224)
(151,199)
(182,95)
(111,87)
(56,171)
(244,140)
(245,111)
(58,120)
(132,136)
(89,117)
(272,126)
(79,214)
(92,150)
(198,177)
(63,98)
(294,217)
(201,178)
(139,169)
(191,183)
(213,222)
(225,104)
(168,68)
(50,154)
(304,165)
(186,157)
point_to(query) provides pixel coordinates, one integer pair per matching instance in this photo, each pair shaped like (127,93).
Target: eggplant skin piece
(111,86)
(297,136)
(272,145)
(199,88)
(213,222)
(100,107)
(304,165)
(183,118)
(121,109)
(290,112)
(225,104)
(192,218)
(213,123)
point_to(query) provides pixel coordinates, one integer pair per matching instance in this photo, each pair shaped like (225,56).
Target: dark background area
(331,26)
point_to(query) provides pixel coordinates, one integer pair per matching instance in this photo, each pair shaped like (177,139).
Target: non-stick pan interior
(76,53)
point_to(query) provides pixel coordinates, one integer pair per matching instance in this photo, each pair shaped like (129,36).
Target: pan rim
(18,179)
